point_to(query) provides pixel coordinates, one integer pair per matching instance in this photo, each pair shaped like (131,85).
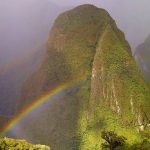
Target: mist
(24,24)
(24,28)
(29,111)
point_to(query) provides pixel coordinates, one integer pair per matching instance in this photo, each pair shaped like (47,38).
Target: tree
(112,140)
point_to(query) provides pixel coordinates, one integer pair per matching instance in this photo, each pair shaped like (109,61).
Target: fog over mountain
(142,56)
(24,27)
(67,73)
(24,24)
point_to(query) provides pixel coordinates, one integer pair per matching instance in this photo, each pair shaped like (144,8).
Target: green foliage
(112,140)
(144,145)
(121,81)
(12,144)
(115,142)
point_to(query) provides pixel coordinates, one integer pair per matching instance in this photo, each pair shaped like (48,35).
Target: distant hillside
(13,75)
(104,89)
(142,56)
(24,25)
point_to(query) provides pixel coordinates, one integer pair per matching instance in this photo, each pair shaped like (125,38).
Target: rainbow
(36,103)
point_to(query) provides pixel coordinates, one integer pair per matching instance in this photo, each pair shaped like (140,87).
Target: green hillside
(113,95)
(12,144)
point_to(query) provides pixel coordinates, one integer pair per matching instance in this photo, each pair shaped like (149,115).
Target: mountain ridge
(142,54)
(85,42)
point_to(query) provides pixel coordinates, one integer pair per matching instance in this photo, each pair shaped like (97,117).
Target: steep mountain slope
(142,56)
(86,48)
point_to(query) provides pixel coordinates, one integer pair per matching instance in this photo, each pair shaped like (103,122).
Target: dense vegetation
(110,92)
(12,144)
(115,142)
(112,141)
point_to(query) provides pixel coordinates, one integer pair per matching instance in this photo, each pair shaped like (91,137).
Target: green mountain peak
(86,43)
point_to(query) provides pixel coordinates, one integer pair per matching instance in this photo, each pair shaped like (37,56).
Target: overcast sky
(24,24)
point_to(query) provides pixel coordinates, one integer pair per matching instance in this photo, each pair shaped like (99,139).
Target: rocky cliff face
(142,56)
(86,46)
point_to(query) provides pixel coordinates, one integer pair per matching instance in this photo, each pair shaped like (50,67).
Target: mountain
(93,84)
(129,20)
(142,56)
